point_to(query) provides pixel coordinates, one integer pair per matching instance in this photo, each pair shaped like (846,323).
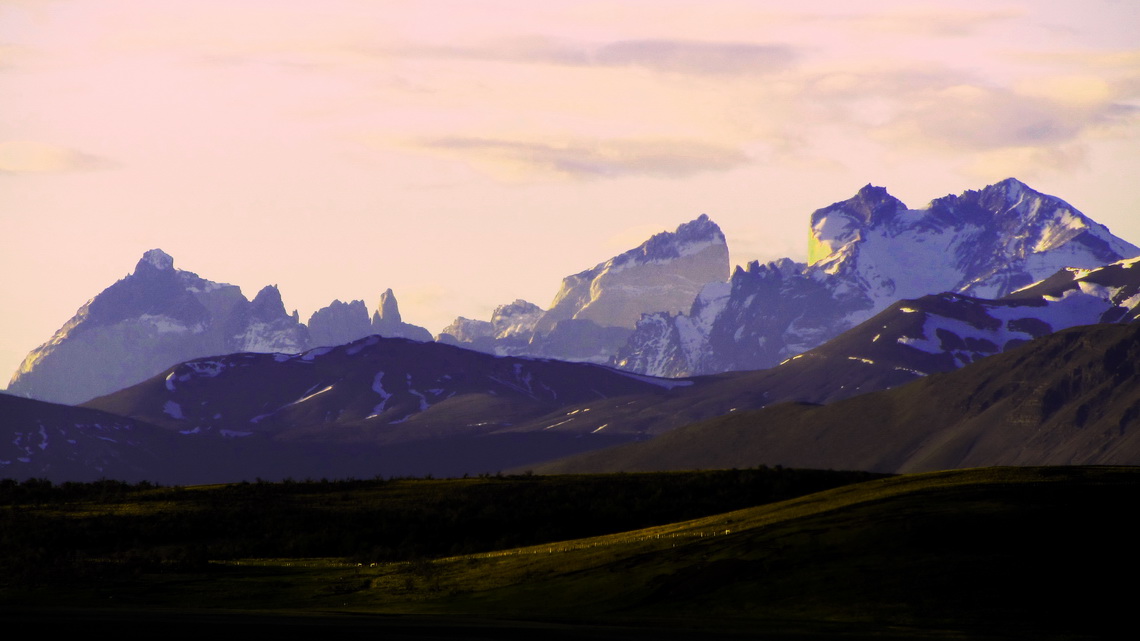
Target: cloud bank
(592,159)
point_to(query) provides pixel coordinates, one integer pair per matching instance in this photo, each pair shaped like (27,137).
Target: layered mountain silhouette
(866,253)
(375,389)
(159,316)
(1070,398)
(185,369)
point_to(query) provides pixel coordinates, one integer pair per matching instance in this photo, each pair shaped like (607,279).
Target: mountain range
(893,299)
(864,254)
(158,316)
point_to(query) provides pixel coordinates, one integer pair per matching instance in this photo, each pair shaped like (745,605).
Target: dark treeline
(77,530)
(38,491)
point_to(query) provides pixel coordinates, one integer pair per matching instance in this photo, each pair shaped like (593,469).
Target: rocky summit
(159,316)
(595,310)
(866,253)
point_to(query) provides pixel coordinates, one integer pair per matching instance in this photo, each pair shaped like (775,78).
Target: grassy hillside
(984,553)
(68,533)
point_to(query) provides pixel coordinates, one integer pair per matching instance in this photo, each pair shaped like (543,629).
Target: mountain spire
(155,259)
(388,311)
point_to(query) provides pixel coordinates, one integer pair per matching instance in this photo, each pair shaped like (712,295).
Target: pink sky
(467,154)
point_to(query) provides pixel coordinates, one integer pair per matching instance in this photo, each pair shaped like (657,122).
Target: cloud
(931,22)
(979,118)
(679,56)
(661,55)
(1027,162)
(950,110)
(23,156)
(591,159)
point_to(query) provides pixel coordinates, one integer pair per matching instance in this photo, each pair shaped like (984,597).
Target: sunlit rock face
(515,320)
(665,273)
(596,310)
(508,332)
(154,318)
(867,252)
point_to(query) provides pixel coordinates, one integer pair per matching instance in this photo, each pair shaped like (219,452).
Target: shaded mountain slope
(46,440)
(1068,398)
(376,389)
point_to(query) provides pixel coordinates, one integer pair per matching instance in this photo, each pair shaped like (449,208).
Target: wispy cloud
(971,117)
(1027,162)
(951,111)
(592,159)
(662,55)
(23,156)
(931,22)
(696,57)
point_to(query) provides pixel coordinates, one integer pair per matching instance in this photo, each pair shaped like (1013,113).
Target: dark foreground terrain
(985,553)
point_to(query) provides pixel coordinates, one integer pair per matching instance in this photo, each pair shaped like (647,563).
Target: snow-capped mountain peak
(837,225)
(867,252)
(157,259)
(665,272)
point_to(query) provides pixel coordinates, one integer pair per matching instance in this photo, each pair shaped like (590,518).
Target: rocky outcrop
(339,323)
(387,322)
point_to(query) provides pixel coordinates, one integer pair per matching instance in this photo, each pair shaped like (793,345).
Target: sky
(466,154)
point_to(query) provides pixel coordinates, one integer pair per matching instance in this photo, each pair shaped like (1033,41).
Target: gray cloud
(696,57)
(663,55)
(601,159)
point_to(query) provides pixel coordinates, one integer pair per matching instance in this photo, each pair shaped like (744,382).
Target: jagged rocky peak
(388,311)
(779,267)
(268,304)
(386,321)
(145,322)
(155,259)
(665,273)
(339,323)
(518,317)
(466,330)
(509,329)
(1008,206)
(688,238)
(838,224)
(266,327)
(866,253)
(996,197)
